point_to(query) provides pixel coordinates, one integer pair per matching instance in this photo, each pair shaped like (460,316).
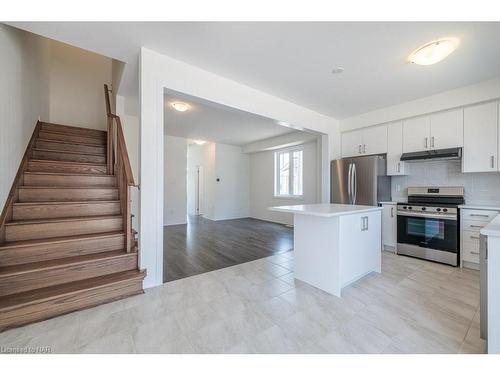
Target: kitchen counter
(480,207)
(325,209)
(335,244)
(492,228)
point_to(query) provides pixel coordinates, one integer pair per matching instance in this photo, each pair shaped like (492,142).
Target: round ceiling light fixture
(199,142)
(337,70)
(180,106)
(433,52)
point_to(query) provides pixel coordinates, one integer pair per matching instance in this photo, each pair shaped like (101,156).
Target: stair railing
(118,164)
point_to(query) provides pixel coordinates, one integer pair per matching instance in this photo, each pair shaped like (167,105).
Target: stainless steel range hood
(444,154)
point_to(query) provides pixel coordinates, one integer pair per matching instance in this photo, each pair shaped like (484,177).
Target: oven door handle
(431,216)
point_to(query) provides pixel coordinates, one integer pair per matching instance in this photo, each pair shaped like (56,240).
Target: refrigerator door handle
(349,175)
(354,184)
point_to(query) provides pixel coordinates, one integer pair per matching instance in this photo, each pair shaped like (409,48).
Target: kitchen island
(335,244)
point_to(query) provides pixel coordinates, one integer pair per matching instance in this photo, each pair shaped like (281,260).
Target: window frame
(290,151)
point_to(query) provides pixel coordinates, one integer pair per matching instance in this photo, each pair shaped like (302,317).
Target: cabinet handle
(474,252)
(474,237)
(476,226)
(479,215)
(364,149)
(426,141)
(364,223)
(432,142)
(359,149)
(492,161)
(399,166)
(392,211)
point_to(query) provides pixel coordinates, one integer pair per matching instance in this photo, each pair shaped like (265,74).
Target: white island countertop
(325,209)
(492,228)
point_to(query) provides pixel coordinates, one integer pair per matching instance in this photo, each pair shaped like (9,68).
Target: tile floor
(257,307)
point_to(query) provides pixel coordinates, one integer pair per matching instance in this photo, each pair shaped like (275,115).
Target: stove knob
(438,209)
(410,208)
(445,210)
(423,208)
(404,207)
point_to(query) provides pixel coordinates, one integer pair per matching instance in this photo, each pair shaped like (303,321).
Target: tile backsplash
(480,188)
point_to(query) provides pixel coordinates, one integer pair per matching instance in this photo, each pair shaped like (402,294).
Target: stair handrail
(118,163)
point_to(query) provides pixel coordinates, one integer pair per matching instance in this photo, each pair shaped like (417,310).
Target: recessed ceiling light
(434,51)
(283,123)
(180,106)
(199,142)
(337,70)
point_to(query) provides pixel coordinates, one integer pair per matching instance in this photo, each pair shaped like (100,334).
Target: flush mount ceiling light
(337,70)
(199,142)
(434,51)
(283,123)
(180,106)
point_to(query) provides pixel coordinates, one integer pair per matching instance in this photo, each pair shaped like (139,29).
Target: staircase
(66,241)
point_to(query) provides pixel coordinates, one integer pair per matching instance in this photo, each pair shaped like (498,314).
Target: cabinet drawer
(470,250)
(473,225)
(479,215)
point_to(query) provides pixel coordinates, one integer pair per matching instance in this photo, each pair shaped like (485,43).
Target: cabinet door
(480,138)
(447,129)
(375,140)
(389,225)
(395,166)
(352,143)
(416,134)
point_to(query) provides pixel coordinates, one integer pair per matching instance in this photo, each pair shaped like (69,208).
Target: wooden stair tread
(70,142)
(67,187)
(48,241)
(61,220)
(76,134)
(69,174)
(74,128)
(62,263)
(38,295)
(66,152)
(64,202)
(67,162)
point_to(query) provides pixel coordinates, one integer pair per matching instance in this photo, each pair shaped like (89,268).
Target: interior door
(199,191)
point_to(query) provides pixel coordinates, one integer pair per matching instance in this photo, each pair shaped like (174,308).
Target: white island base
(335,244)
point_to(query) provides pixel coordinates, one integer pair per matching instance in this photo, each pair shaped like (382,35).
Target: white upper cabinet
(416,134)
(352,143)
(447,129)
(480,138)
(375,140)
(367,141)
(395,167)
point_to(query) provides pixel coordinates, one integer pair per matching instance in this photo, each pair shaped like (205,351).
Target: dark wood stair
(65,234)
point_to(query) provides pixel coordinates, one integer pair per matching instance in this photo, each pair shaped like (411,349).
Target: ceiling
(217,123)
(293,60)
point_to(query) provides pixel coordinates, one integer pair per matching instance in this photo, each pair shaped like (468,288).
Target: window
(288,173)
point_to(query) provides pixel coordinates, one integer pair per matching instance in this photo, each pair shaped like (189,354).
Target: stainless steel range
(429,226)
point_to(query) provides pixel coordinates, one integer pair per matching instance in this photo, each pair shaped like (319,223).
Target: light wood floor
(204,245)
(414,306)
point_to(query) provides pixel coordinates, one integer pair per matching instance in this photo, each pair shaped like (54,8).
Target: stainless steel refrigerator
(361,180)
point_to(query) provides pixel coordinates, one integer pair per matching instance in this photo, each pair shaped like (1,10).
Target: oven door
(429,231)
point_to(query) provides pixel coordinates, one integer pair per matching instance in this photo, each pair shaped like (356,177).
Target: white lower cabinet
(471,222)
(389,226)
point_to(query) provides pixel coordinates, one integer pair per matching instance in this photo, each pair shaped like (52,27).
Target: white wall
(23,97)
(76,86)
(232,191)
(262,184)
(175,208)
(157,72)
(476,93)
